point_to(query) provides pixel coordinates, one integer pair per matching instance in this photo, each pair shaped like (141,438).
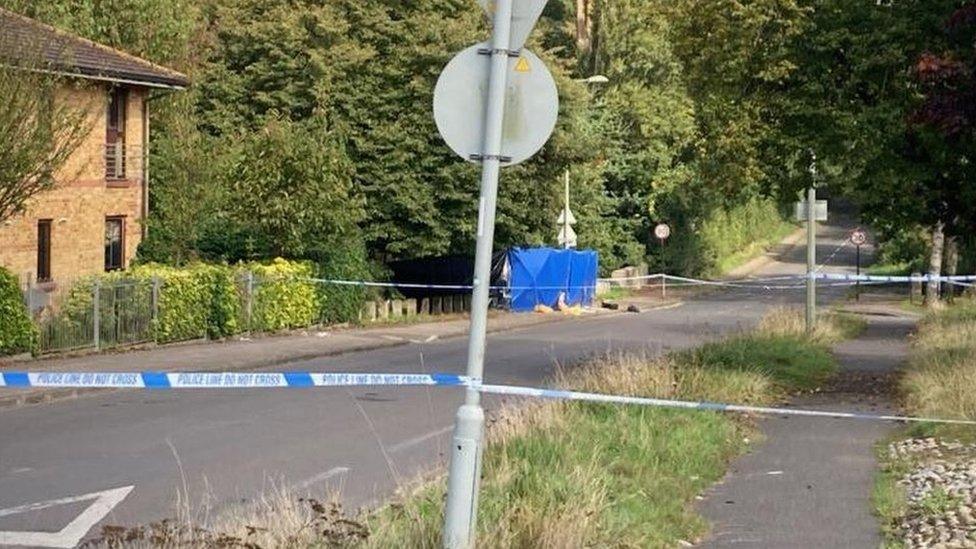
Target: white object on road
(70,535)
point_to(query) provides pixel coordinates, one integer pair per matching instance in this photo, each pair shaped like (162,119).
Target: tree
(291,192)
(38,133)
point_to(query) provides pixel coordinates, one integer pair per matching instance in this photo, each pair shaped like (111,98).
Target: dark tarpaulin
(457,270)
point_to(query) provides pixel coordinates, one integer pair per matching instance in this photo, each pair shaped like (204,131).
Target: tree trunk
(583,26)
(951,263)
(935,266)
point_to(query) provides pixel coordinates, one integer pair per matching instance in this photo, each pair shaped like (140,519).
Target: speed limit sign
(662,231)
(859,237)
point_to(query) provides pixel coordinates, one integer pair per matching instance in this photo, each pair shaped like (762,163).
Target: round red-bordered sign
(859,237)
(662,231)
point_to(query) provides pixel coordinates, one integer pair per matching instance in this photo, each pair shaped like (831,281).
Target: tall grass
(585,475)
(941,376)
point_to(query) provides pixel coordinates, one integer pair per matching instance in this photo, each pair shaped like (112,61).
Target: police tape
(308,380)
(555,394)
(893,279)
(764,283)
(220,380)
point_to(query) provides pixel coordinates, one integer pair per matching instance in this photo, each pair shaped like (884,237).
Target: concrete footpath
(250,354)
(809,483)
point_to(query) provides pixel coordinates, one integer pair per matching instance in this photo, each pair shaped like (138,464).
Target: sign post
(567,236)
(496,104)
(662,231)
(811,310)
(858,238)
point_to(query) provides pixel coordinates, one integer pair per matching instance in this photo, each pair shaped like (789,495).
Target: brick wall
(82,199)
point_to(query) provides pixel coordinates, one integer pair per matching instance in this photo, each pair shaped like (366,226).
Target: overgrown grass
(940,379)
(576,475)
(888,497)
(890,269)
(616,292)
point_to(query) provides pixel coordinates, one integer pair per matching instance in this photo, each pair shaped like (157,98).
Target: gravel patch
(940,489)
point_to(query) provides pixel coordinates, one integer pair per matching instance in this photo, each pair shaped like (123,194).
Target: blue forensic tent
(538,275)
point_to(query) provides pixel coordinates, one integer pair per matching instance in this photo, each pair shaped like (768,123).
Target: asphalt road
(809,483)
(213,449)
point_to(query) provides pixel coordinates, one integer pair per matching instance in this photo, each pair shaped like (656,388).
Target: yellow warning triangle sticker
(523,65)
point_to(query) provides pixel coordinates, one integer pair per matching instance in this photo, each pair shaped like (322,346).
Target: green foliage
(792,361)
(283,296)
(308,127)
(37,134)
(195,301)
(291,192)
(17,331)
(728,236)
(157,29)
(341,304)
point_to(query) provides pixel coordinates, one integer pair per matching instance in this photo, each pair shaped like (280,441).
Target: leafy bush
(730,236)
(338,304)
(283,296)
(17,332)
(711,242)
(195,301)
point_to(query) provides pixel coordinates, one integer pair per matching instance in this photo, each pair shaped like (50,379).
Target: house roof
(67,54)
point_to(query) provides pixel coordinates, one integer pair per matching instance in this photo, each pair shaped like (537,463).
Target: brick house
(91,221)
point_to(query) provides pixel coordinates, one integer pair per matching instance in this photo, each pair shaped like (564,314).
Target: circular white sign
(531,105)
(662,231)
(859,237)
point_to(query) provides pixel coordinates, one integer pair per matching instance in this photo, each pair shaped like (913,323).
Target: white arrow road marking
(322,477)
(70,535)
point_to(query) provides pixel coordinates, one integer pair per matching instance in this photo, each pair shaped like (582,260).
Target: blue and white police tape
(555,394)
(306,380)
(901,279)
(220,380)
(454,287)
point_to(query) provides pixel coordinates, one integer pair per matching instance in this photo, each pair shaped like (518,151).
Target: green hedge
(211,300)
(284,297)
(195,301)
(730,237)
(17,332)
(339,304)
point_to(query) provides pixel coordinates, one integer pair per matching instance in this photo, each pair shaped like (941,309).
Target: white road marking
(70,535)
(431,338)
(322,477)
(399,447)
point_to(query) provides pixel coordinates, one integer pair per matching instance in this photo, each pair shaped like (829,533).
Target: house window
(114,243)
(115,135)
(44,250)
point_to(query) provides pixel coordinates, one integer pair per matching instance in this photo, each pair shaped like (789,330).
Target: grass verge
(939,381)
(573,475)
(577,474)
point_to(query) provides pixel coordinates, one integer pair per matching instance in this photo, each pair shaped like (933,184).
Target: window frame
(110,266)
(115,134)
(44,248)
